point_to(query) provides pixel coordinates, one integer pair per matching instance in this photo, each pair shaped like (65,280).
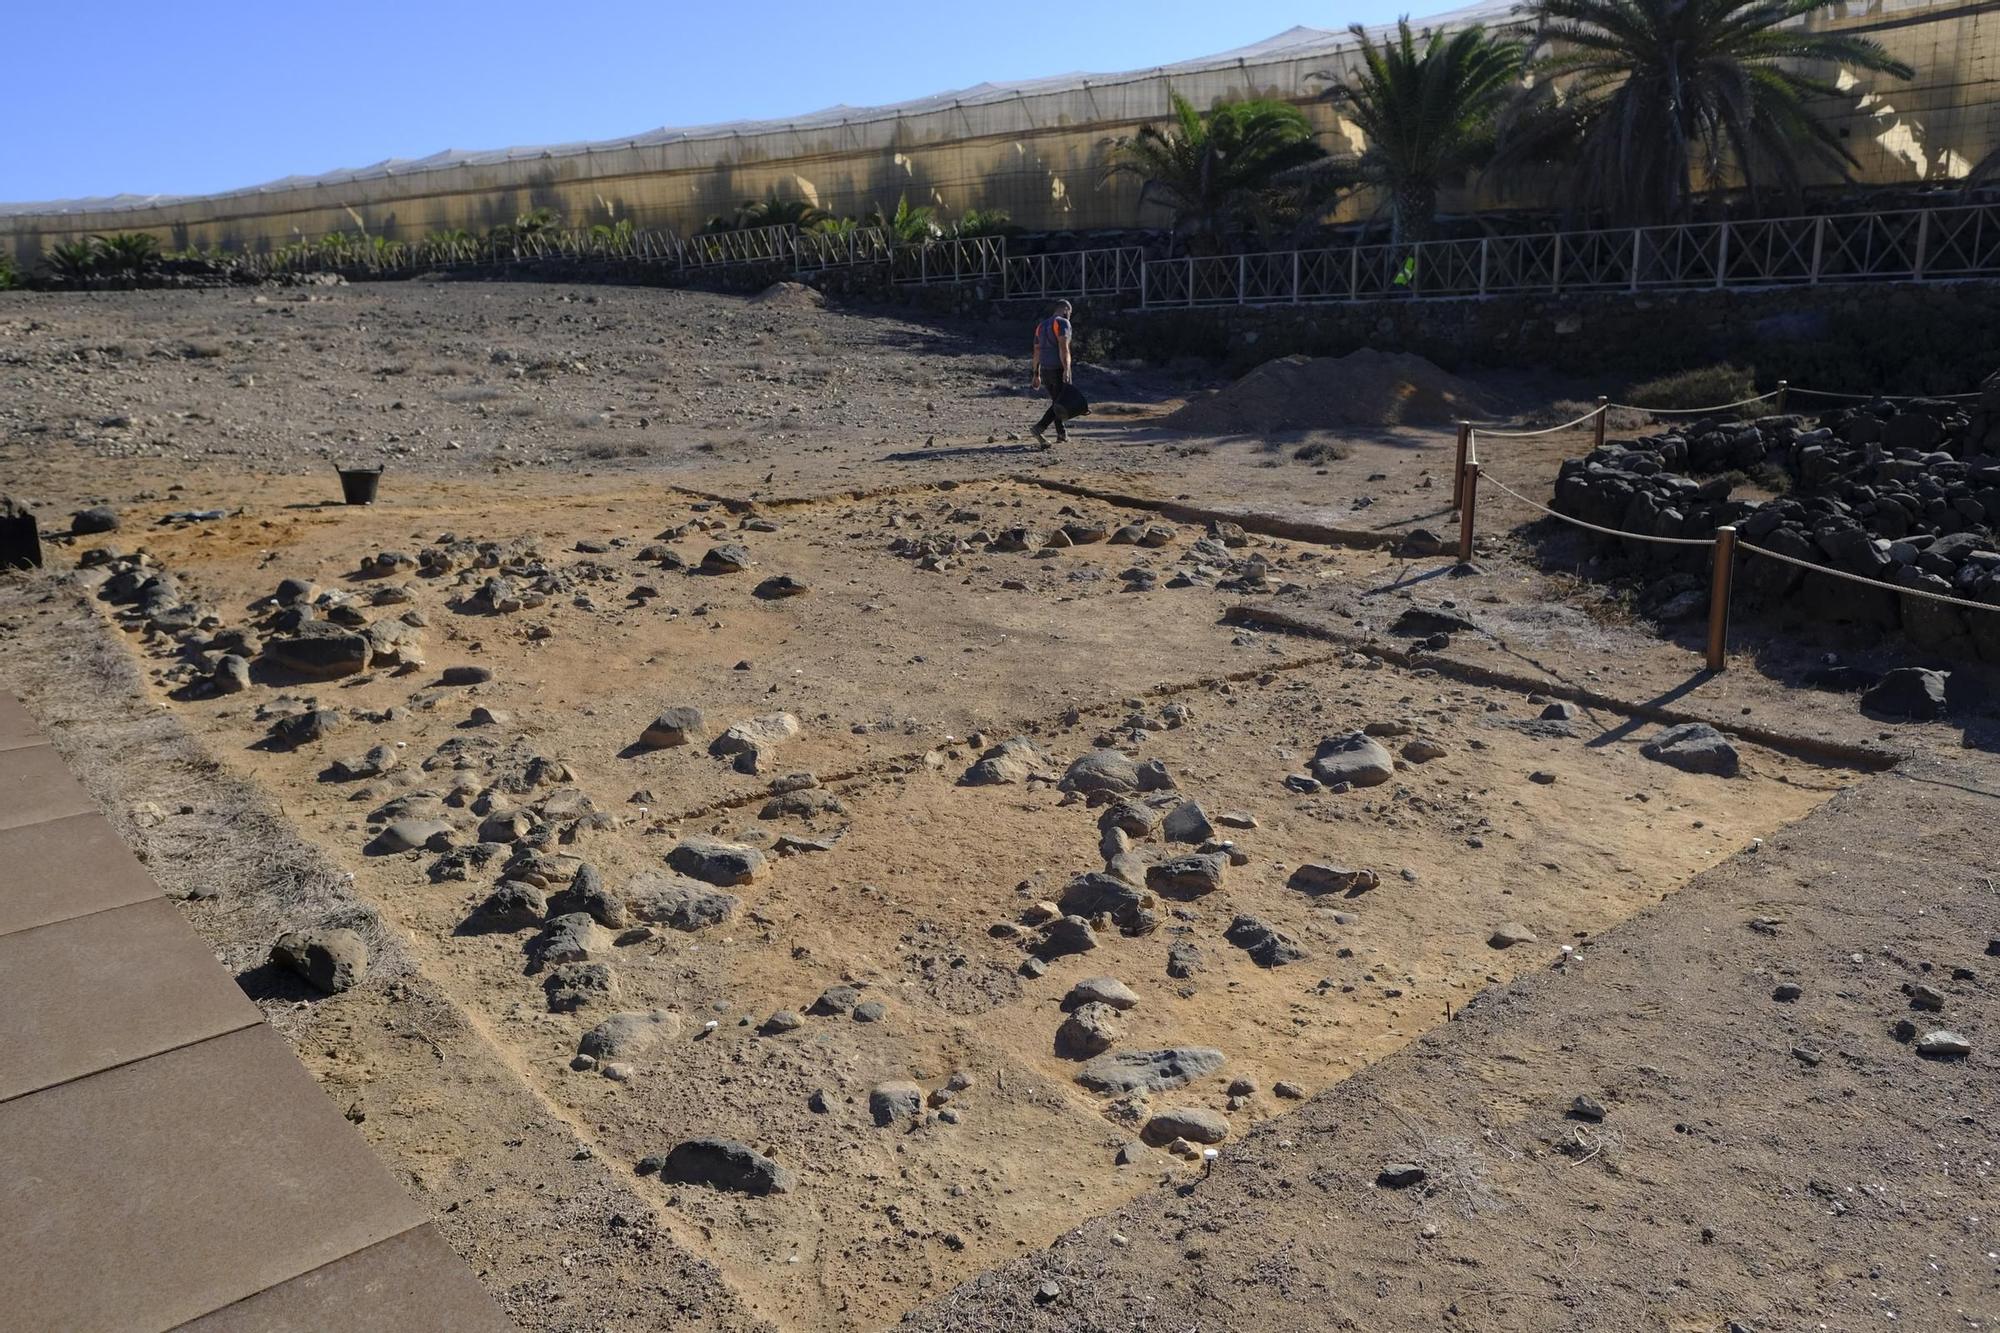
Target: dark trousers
(1053,381)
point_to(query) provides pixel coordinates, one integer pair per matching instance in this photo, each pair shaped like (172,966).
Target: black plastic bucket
(357,485)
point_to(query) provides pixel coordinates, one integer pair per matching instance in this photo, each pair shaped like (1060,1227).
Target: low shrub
(1322,451)
(1710,386)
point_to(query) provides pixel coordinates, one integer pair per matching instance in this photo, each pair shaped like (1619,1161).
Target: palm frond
(1651,101)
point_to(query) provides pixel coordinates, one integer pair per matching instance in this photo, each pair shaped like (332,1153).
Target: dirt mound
(790,296)
(1364,388)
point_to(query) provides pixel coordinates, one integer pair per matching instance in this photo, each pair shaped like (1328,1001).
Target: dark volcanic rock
(1125,1072)
(723,1164)
(1355,759)
(674,726)
(332,960)
(87,522)
(1908,692)
(1266,944)
(1693,747)
(716,862)
(1187,876)
(320,650)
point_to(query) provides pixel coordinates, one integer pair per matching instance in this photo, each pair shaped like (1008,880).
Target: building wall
(1041,155)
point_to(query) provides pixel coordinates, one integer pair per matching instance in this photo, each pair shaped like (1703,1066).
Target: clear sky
(121,96)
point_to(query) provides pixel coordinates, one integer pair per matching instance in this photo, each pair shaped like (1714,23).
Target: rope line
(1898,589)
(1694,411)
(1724,407)
(1886,397)
(1609,532)
(1528,434)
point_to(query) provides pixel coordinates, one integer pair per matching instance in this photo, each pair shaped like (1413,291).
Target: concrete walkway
(165,1161)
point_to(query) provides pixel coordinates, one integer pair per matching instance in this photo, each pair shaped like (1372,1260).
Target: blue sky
(124,97)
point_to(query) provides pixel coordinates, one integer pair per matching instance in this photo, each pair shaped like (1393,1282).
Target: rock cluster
(1904,495)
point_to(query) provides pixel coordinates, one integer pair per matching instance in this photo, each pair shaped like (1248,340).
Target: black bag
(1071,404)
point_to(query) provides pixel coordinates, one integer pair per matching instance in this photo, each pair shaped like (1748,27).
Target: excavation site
(752,840)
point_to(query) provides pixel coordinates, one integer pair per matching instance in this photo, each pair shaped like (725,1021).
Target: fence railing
(750,245)
(1109,271)
(1900,245)
(951,260)
(817,250)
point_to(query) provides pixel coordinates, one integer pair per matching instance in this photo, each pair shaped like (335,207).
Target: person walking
(1052,370)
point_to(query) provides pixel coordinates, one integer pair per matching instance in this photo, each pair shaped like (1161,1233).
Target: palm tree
(74,259)
(769,212)
(1217,169)
(536,221)
(1653,101)
(127,253)
(1427,114)
(975,222)
(909,225)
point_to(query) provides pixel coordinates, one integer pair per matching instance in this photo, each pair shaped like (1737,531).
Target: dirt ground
(606,440)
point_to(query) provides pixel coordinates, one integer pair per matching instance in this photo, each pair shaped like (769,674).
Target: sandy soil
(606,436)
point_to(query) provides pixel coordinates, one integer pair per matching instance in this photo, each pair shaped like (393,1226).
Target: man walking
(1052,370)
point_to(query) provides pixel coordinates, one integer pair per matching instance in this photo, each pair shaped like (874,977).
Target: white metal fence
(816,250)
(1103,272)
(951,260)
(1900,245)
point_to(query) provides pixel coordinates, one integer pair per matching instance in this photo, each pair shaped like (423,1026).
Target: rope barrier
(1722,546)
(1695,411)
(1529,434)
(1609,532)
(1887,397)
(1725,407)
(1896,588)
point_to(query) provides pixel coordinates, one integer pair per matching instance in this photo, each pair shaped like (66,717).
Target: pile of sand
(1364,388)
(790,296)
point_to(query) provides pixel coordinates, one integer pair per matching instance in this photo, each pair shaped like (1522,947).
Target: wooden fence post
(1718,598)
(1458,468)
(1783,385)
(1603,407)
(1465,513)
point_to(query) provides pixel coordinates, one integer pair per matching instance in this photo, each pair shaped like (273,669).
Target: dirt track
(914,634)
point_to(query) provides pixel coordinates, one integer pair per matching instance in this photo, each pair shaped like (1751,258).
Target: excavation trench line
(890,767)
(737,504)
(1867,758)
(1264,525)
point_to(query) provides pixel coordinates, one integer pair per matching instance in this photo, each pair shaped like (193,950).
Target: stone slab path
(165,1161)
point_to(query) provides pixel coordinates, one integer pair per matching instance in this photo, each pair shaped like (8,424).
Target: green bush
(124,254)
(73,259)
(1711,386)
(127,254)
(10,277)
(982,222)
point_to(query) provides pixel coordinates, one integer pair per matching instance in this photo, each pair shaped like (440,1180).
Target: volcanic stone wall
(1903,494)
